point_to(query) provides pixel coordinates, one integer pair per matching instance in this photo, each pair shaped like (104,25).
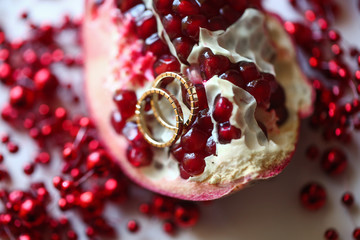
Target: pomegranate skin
(97,55)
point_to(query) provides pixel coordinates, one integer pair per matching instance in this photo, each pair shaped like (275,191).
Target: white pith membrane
(251,157)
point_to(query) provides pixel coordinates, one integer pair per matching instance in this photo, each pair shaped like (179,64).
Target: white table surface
(269,210)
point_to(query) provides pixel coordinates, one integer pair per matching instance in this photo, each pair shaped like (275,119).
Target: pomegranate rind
(97,35)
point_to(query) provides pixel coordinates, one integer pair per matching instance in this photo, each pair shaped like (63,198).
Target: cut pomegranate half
(250,89)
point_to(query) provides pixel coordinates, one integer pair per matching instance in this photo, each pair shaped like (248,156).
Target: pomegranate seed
(21,97)
(193,163)
(133,226)
(222,109)
(117,121)
(331,234)
(172,25)
(282,115)
(5,74)
(249,71)
(178,152)
(32,212)
(191,25)
(202,99)
(210,146)
(204,122)
(217,23)
(211,64)
(230,14)
(98,161)
(12,147)
(277,98)
(348,199)
(186,7)
(169,227)
(183,47)
(183,173)
(139,156)
(186,215)
(163,207)
(208,10)
(260,90)
(228,132)
(234,77)
(239,6)
(166,63)
(356,233)
(313,196)
(69,152)
(145,208)
(125,5)
(45,81)
(146,24)
(125,101)
(155,45)
(194,140)
(334,161)
(29,169)
(162,6)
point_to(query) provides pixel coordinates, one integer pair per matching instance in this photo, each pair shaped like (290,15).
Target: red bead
(348,199)
(169,227)
(331,234)
(145,208)
(12,147)
(356,233)
(186,215)
(133,226)
(29,169)
(313,196)
(334,161)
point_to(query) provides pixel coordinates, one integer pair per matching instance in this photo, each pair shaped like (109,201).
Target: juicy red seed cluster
(263,86)
(87,178)
(182,19)
(196,144)
(313,196)
(175,213)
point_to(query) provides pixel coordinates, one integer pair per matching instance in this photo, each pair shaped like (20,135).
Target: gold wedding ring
(140,117)
(192,96)
(154,94)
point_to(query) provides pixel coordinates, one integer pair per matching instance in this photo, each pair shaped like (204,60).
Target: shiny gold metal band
(140,117)
(154,93)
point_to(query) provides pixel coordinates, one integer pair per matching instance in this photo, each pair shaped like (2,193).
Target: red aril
(193,163)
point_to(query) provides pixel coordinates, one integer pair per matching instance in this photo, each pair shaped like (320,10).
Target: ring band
(190,88)
(139,113)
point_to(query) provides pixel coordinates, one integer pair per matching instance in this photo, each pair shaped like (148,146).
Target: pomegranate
(236,57)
